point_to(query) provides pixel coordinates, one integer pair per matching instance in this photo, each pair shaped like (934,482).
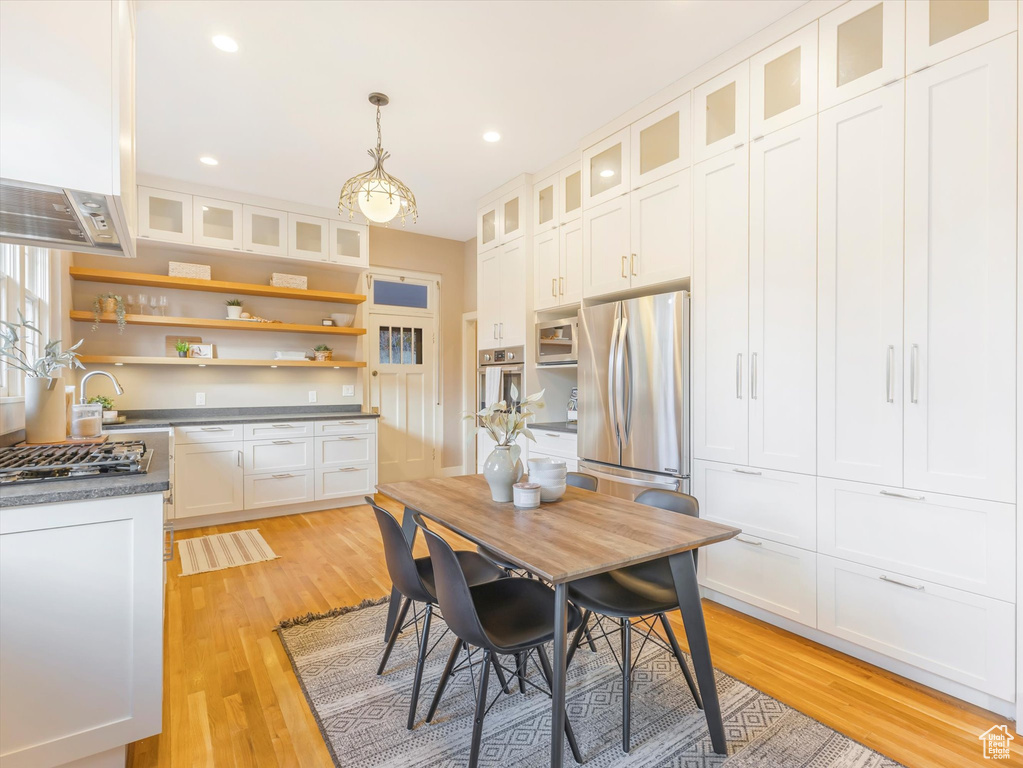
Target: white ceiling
(287,115)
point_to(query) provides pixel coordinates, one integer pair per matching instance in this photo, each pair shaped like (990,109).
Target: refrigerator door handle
(612,397)
(671,484)
(625,373)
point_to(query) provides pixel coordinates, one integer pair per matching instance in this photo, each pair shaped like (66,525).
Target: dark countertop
(156,480)
(557,426)
(183,417)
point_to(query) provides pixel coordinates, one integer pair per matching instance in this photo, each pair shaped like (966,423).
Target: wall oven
(556,342)
(500,376)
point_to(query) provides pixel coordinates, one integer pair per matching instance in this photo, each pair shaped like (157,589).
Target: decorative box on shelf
(282,280)
(184,269)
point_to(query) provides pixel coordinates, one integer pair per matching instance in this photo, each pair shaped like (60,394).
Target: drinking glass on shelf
(143,303)
(163,305)
(130,304)
(154,304)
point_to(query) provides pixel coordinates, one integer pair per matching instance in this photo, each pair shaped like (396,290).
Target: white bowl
(546,462)
(343,319)
(539,475)
(552,492)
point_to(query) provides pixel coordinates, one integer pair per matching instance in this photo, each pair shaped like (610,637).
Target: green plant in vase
(181,347)
(234,308)
(321,352)
(111,304)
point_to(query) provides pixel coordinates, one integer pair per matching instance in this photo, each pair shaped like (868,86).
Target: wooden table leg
(408,529)
(558,683)
(683,570)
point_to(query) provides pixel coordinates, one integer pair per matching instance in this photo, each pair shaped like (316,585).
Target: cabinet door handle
(239,458)
(919,587)
(753,376)
(168,552)
(348,469)
(282,477)
(554,287)
(632,265)
(738,376)
(553,434)
(744,540)
(502,330)
(561,286)
(495,330)
(889,367)
(349,438)
(624,275)
(282,426)
(212,429)
(348,422)
(746,471)
(897,495)
(914,362)
(283,442)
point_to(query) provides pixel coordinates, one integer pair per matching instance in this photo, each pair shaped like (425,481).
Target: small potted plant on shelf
(181,347)
(321,353)
(108,304)
(109,414)
(234,309)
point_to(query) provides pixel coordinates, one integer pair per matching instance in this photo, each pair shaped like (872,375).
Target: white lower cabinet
(337,482)
(276,489)
(278,455)
(955,634)
(345,450)
(208,478)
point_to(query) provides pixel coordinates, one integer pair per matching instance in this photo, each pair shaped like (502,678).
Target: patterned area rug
(222,550)
(362,716)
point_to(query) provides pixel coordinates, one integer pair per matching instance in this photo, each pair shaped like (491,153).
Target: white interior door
(403,386)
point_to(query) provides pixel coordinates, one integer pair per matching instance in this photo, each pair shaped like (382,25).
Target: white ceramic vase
(502,470)
(45,410)
(233,313)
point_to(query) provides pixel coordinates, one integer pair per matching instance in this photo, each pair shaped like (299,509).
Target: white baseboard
(1001,707)
(244,515)
(452,471)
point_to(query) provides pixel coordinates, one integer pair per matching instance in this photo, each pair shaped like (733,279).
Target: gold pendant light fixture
(378,195)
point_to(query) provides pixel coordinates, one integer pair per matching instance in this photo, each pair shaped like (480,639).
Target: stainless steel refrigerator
(634,394)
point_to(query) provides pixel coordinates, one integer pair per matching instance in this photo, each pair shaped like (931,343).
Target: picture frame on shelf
(204,351)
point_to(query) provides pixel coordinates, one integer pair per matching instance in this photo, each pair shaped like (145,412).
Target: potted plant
(234,308)
(322,352)
(45,406)
(181,347)
(108,304)
(109,414)
(502,469)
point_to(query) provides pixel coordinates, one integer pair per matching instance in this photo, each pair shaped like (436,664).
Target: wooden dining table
(582,534)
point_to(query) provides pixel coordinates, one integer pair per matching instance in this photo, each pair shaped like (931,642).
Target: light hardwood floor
(231,698)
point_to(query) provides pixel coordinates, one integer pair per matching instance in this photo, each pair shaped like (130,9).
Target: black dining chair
(510,617)
(414,578)
(644,593)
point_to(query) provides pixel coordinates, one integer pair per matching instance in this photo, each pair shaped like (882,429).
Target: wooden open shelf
(224,325)
(211,286)
(202,361)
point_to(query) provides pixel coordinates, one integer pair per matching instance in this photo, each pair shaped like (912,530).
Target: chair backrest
(401,566)
(453,593)
(581,480)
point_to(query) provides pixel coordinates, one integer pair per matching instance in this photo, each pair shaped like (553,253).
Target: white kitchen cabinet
(307,237)
(783,299)
(939,29)
(862,47)
(514,215)
(546,204)
(955,634)
(606,247)
(661,231)
(488,299)
(344,426)
(208,433)
(280,430)
(279,455)
(502,293)
(346,450)
(570,193)
(570,250)
(349,244)
(264,230)
(720,308)
(208,478)
(561,445)
(606,168)
(217,223)
(661,142)
(488,227)
(341,482)
(859,278)
(783,82)
(960,313)
(546,269)
(721,109)
(165,215)
(962,543)
(277,489)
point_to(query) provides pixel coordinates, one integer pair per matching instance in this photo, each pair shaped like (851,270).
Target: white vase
(233,313)
(45,410)
(502,470)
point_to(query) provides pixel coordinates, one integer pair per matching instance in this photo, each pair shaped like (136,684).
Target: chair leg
(443,682)
(681,660)
(481,711)
(500,675)
(394,635)
(589,639)
(520,667)
(626,684)
(417,681)
(548,674)
(577,638)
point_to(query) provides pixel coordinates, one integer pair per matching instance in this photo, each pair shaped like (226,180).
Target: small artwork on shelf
(200,350)
(326,321)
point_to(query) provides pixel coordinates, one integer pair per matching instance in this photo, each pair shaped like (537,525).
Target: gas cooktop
(39,463)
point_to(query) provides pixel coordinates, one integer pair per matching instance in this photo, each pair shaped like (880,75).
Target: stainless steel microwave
(556,342)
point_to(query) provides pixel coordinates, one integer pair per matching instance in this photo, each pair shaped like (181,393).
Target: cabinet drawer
(278,455)
(345,427)
(779,506)
(771,576)
(279,429)
(955,634)
(208,433)
(961,543)
(339,482)
(345,450)
(564,445)
(278,488)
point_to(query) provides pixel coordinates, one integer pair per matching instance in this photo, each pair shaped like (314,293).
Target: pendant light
(378,195)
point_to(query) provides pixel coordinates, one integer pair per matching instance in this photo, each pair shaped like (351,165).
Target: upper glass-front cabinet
(217,223)
(862,47)
(546,208)
(939,29)
(488,227)
(661,142)
(307,237)
(783,82)
(570,193)
(514,215)
(349,244)
(165,215)
(722,113)
(264,230)
(606,169)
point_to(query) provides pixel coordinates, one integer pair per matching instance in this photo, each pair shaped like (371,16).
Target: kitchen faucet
(90,374)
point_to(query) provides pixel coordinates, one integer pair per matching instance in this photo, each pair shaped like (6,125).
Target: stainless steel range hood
(51,217)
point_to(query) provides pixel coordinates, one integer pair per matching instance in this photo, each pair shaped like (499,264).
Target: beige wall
(469,272)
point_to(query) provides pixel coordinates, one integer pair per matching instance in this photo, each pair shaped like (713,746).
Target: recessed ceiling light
(207,160)
(225,43)
(607,173)
(491,136)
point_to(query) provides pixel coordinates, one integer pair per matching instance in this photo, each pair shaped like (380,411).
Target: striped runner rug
(223,550)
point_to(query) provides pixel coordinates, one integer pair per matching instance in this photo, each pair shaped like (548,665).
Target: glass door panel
(545,204)
(349,244)
(722,106)
(720,122)
(265,230)
(661,142)
(511,227)
(606,168)
(307,237)
(951,17)
(862,47)
(165,215)
(571,188)
(487,232)
(783,82)
(217,223)
(939,29)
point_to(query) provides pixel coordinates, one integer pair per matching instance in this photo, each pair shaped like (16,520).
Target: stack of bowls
(550,475)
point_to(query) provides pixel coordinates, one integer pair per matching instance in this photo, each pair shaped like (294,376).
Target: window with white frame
(24,288)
